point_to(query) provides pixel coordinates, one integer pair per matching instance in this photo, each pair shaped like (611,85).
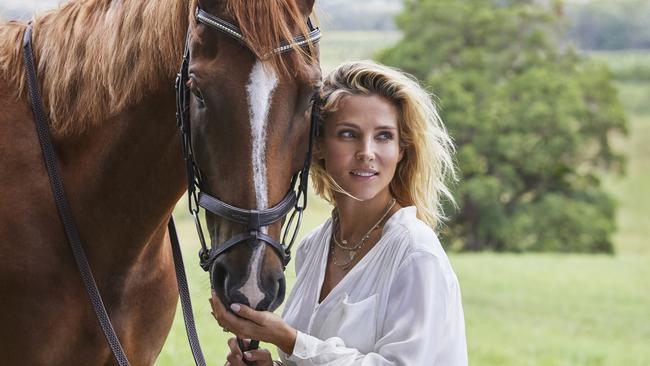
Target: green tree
(531,119)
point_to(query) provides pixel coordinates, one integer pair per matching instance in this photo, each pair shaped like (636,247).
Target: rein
(49,156)
(254,219)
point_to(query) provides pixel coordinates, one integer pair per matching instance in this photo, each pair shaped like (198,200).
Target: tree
(532,122)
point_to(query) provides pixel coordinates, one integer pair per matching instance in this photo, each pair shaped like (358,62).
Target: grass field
(530,309)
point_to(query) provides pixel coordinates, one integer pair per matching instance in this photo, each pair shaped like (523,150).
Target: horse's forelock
(265,24)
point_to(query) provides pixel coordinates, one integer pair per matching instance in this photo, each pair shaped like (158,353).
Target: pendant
(344,242)
(353,253)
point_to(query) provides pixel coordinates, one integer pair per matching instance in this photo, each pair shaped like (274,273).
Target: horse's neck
(124,177)
(122,173)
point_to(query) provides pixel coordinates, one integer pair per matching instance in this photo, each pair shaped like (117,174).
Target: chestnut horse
(106,69)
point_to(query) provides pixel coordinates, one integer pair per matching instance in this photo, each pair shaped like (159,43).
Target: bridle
(198,198)
(254,220)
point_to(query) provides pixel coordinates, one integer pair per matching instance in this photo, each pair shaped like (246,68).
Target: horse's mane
(97,57)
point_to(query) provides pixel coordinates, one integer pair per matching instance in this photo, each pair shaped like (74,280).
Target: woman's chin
(363,195)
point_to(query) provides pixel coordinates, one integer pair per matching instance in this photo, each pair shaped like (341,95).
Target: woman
(373,285)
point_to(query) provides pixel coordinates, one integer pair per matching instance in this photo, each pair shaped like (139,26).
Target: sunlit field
(530,309)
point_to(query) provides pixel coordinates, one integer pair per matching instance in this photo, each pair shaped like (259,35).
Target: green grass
(632,190)
(553,309)
(520,310)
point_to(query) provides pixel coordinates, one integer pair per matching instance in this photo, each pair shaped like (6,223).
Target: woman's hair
(427,164)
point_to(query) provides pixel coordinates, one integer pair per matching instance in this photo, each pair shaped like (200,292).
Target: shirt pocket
(354,322)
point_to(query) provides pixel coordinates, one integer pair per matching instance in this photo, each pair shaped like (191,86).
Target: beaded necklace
(354,249)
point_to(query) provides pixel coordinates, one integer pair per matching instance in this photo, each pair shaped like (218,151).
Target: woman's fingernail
(235,307)
(247,355)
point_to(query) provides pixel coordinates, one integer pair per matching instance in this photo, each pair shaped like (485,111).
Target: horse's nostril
(281,288)
(219,279)
(278,296)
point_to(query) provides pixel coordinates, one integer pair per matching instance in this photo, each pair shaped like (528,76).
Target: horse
(106,69)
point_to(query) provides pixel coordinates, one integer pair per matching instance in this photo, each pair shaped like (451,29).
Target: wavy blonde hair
(427,165)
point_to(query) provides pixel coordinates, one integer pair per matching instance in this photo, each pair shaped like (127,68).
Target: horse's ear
(211,6)
(306,6)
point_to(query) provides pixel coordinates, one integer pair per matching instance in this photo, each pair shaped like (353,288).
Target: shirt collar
(404,214)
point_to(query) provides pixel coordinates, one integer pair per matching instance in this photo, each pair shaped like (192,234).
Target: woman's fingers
(247,313)
(228,320)
(232,344)
(260,354)
(234,360)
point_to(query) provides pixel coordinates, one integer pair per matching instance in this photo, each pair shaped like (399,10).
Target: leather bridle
(254,220)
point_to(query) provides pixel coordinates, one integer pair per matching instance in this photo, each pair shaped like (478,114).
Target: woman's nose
(366,151)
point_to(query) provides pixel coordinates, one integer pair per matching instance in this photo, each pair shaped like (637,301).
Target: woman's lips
(364,173)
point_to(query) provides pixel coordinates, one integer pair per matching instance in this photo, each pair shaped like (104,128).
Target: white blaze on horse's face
(260,87)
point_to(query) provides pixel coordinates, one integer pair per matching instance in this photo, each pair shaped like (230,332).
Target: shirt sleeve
(424,323)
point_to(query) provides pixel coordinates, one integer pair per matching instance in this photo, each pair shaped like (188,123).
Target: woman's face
(360,145)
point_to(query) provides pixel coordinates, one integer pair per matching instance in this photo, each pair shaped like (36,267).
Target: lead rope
(62,206)
(184,293)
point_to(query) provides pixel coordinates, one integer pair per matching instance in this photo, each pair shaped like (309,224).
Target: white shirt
(400,305)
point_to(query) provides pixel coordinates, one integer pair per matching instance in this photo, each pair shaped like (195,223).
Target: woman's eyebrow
(386,127)
(353,125)
(347,124)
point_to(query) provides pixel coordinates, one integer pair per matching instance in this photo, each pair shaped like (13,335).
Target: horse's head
(250,103)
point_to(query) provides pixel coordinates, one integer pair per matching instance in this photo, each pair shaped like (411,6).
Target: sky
(27,7)
(30,4)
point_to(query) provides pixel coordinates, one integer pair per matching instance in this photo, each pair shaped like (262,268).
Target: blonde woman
(373,286)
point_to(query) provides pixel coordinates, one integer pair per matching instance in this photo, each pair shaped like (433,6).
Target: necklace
(354,249)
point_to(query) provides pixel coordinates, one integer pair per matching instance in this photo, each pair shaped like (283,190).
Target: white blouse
(400,305)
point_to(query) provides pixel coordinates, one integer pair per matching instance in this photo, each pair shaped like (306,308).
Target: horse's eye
(194,89)
(198,96)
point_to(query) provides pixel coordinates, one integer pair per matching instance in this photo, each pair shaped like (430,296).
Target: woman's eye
(346,134)
(385,136)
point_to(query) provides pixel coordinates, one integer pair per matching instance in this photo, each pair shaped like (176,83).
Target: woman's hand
(251,324)
(261,356)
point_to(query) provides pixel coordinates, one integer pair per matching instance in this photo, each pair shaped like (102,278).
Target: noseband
(254,220)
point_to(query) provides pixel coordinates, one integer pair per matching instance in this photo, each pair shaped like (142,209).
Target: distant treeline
(610,25)
(342,15)
(594,25)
